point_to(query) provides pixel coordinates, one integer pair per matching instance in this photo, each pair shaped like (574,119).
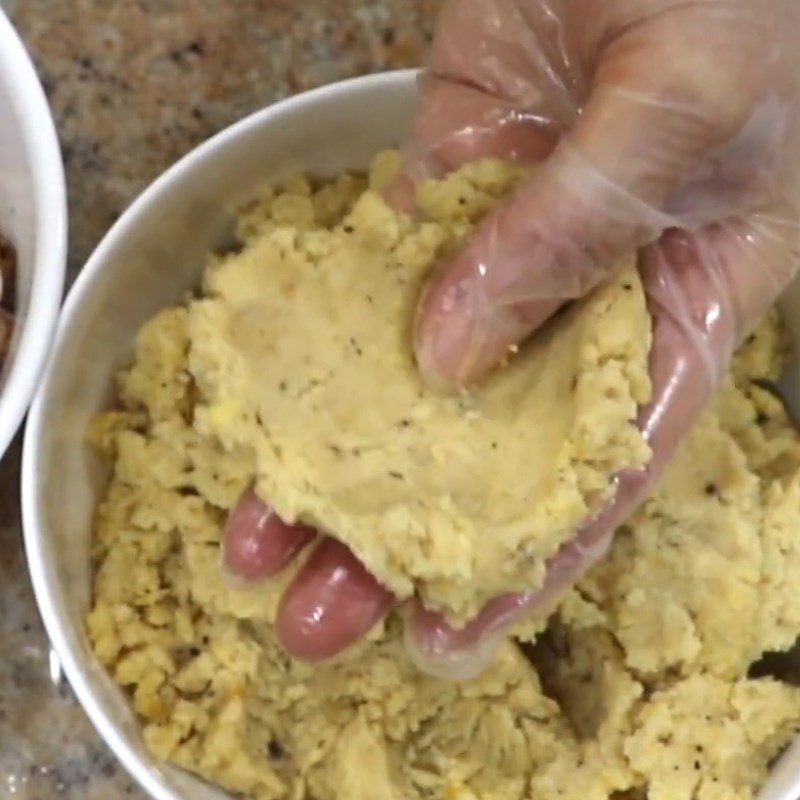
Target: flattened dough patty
(301,348)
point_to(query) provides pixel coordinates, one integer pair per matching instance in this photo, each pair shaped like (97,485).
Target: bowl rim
(50,199)
(32,518)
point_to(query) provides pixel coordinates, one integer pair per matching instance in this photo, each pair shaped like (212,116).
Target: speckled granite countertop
(134,85)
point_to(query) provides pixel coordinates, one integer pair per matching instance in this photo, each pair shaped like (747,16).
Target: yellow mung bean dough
(301,351)
(638,687)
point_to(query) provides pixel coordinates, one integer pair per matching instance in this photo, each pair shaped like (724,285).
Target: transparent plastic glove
(664,125)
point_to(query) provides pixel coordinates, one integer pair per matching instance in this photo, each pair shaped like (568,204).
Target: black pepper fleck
(396,475)
(348,229)
(275,750)
(711,489)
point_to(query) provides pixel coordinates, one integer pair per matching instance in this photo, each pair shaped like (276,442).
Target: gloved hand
(665,125)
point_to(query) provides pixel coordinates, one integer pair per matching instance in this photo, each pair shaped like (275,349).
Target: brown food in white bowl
(8,271)
(33,222)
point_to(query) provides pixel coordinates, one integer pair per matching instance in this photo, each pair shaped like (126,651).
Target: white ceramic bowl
(33,215)
(148,260)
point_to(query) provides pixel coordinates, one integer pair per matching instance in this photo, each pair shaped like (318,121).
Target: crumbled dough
(731,500)
(638,688)
(301,352)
